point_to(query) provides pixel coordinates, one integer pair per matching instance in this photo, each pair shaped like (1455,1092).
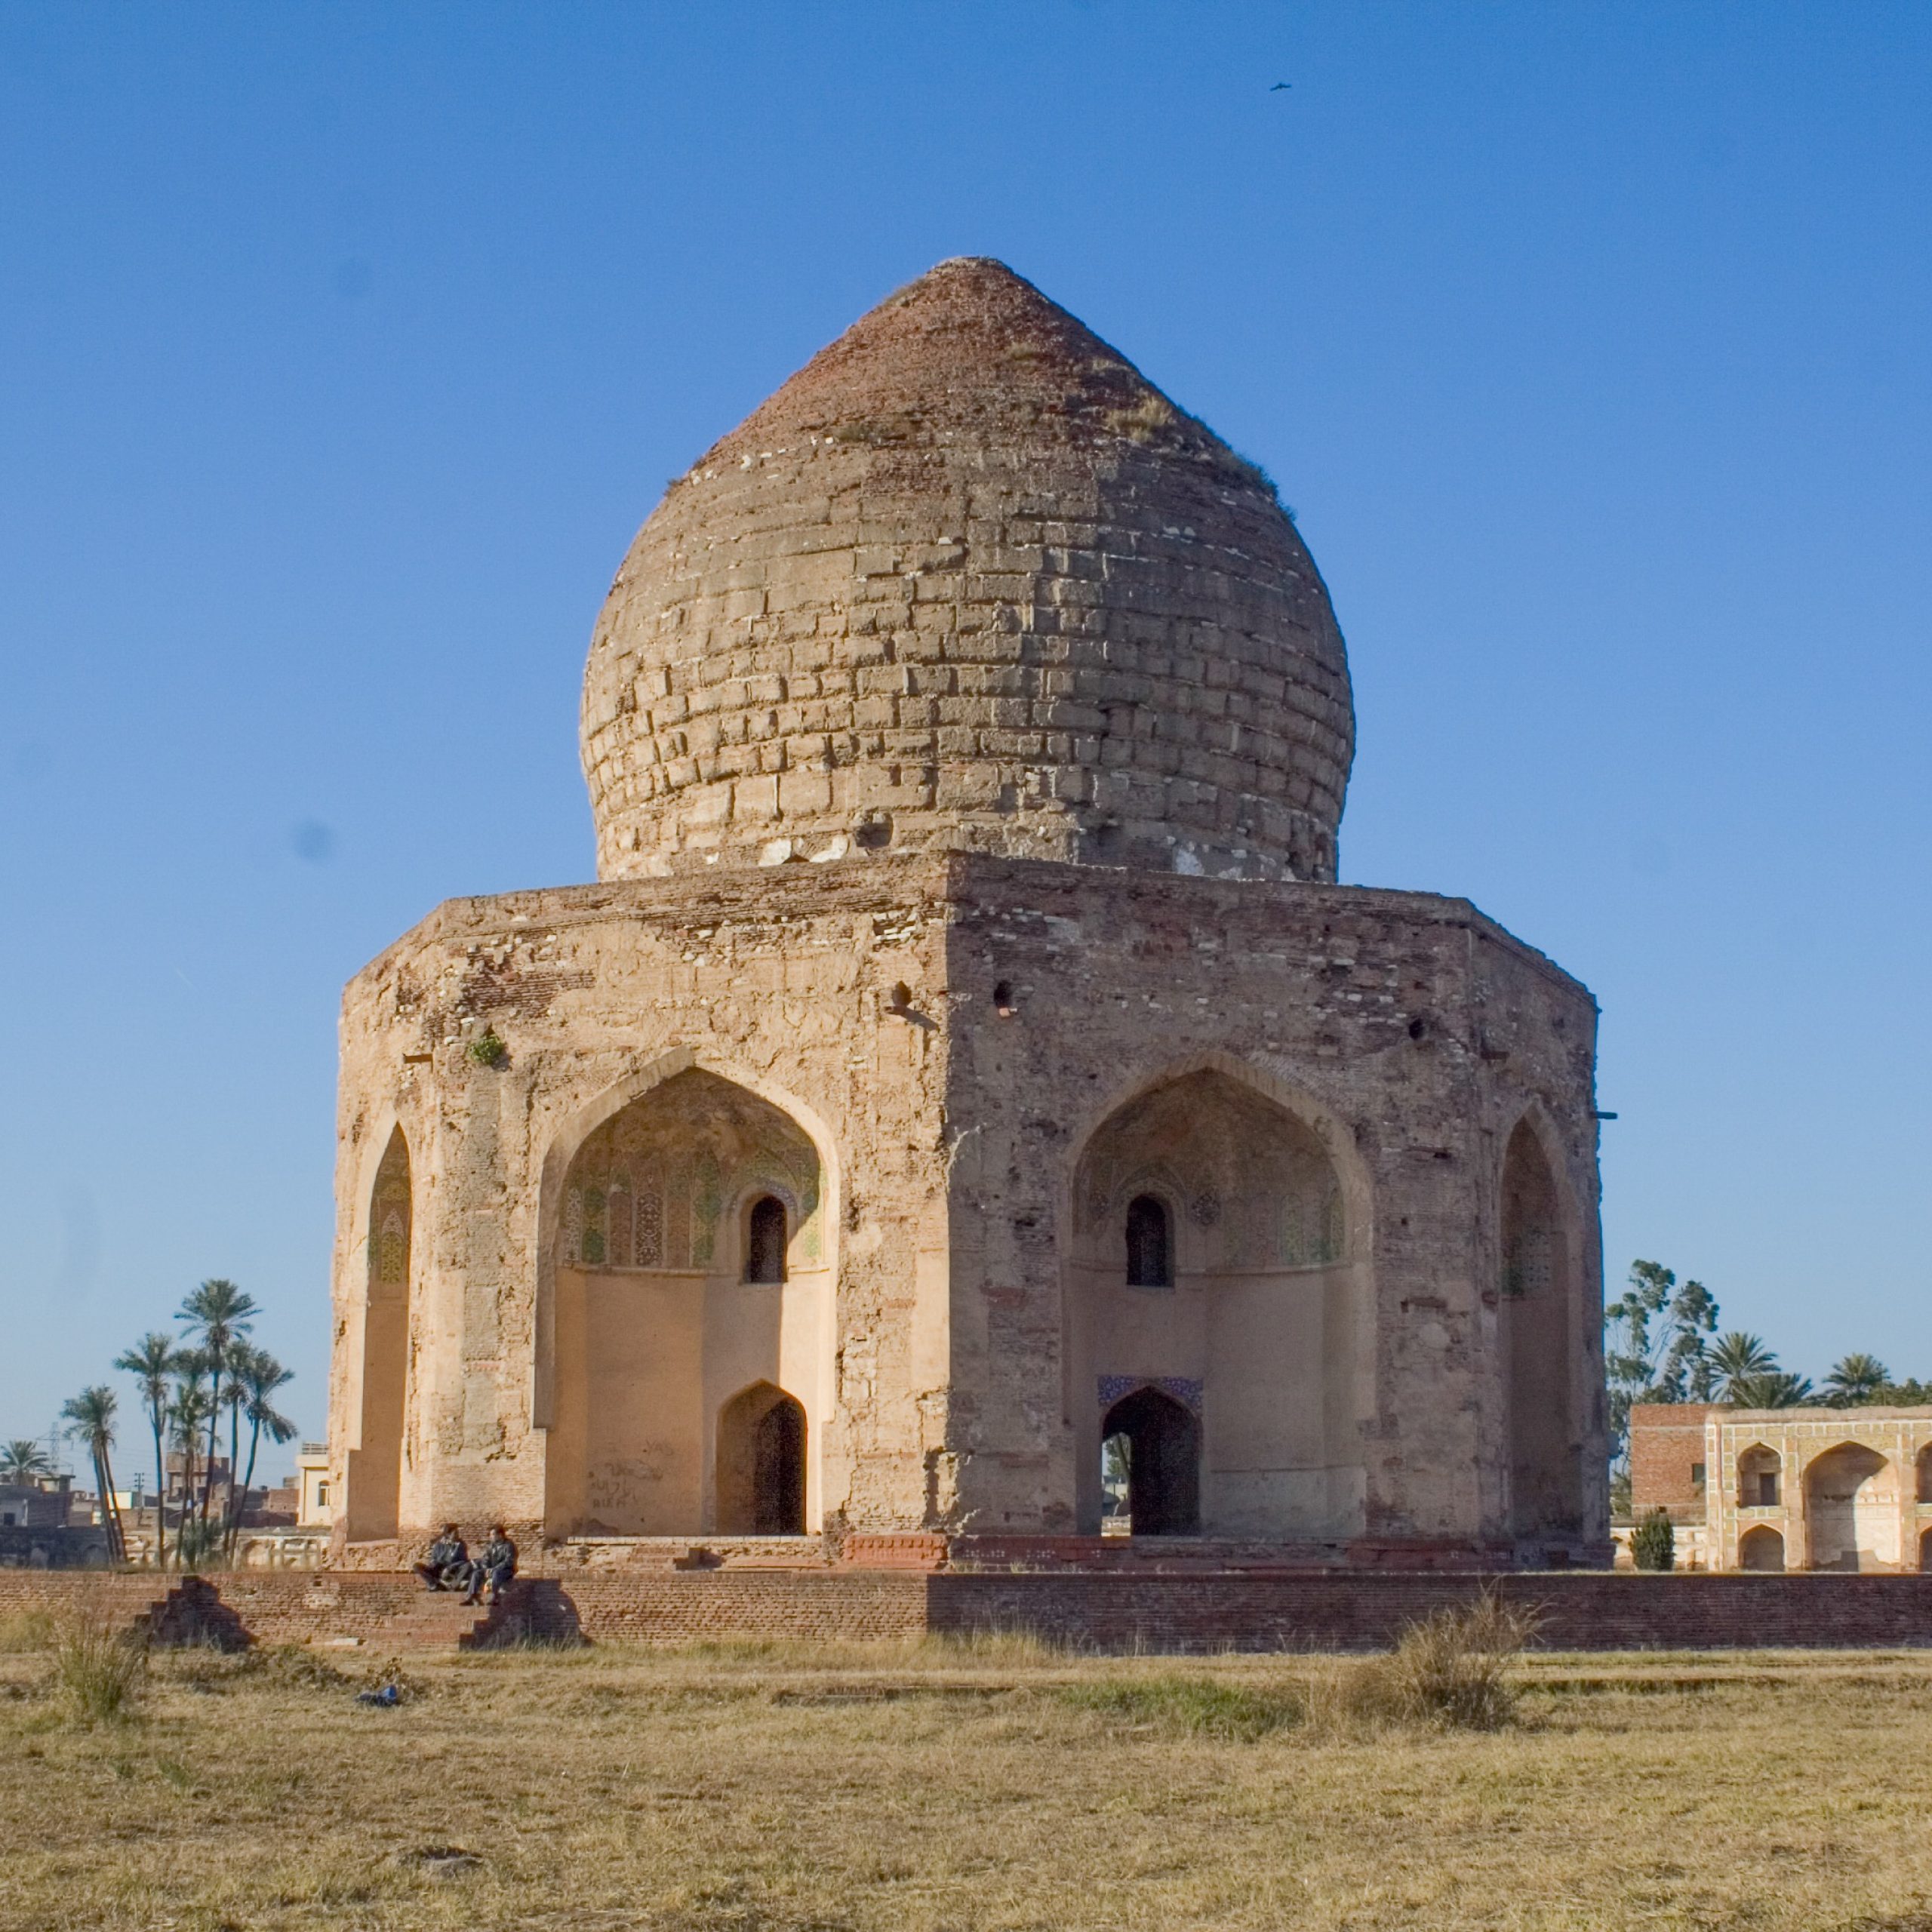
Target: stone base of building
(377,1614)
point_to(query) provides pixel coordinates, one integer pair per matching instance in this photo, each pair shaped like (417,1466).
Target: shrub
(99,1666)
(1653,1543)
(488,1048)
(1451,1669)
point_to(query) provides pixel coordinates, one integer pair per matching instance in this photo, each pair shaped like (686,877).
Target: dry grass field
(770,1788)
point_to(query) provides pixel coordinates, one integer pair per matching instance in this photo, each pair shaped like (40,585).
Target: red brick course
(1168,1612)
(1666,1447)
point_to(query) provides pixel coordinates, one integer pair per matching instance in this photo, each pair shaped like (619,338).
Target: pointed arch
(372,1506)
(1538,1335)
(719,1280)
(1242,1200)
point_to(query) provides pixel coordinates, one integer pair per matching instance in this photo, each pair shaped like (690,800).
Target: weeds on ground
(1451,1670)
(1201,1706)
(24,1631)
(100,1666)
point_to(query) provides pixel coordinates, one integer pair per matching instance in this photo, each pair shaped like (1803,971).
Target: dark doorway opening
(761,1464)
(1150,1254)
(1162,1440)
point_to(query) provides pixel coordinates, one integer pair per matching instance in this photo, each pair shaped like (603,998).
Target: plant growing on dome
(488,1048)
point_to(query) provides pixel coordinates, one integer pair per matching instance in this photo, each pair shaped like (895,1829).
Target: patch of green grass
(1201,1706)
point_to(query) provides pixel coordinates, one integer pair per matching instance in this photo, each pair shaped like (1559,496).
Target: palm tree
(1770,1389)
(151,1361)
(1858,1378)
(89,1419)
(259,1377)
(23,1461)
(220,1314)
(1737,1358)
(190,1406)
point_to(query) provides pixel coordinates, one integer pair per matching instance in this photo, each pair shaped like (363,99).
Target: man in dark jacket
(447,1566)
(495,1567)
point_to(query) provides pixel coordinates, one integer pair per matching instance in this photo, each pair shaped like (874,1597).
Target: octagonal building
(966,1110)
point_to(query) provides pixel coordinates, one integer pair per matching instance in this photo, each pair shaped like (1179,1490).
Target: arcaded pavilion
(966,1058)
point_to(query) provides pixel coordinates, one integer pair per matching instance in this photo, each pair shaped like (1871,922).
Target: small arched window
(765,1240)
(1150,1254)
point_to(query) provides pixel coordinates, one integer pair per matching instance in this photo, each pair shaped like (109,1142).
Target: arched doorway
(374,1485)
(1761,1549)
(1162,1440)
(1210,1257)
(691,1266)
(1851,1509)
(761,1464)
(1538,1339)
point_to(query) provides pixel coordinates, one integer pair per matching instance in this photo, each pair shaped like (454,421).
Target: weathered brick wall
(1667,1459)
(970,581)
(1585,1611)
(1409,1030)
(1177,1614)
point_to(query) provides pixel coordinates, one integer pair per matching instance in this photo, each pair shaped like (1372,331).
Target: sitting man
(495,1567)
(447,1566)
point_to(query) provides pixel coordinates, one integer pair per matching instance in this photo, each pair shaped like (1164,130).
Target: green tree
(1736,1357)
(1857,1379)
(24,1461)
(151,1361)
(1770,1388)
(1653,1543)
(191,1404)
(261,1378)
(220,1315)
(1655,1350)
(89,1419)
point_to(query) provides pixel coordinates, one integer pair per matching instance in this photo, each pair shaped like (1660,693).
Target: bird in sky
(1279,85)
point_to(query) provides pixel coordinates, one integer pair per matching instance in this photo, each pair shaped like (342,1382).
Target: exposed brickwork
(967,734)
(1412,1029)
(1667,1459)
(1173,1613)
(969,580)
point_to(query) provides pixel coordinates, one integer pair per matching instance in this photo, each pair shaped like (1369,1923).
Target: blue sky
(343,350)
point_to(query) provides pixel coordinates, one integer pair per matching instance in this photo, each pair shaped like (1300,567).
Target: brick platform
(1171,1612)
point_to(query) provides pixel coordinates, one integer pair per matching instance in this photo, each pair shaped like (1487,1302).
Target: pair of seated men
(449,1566)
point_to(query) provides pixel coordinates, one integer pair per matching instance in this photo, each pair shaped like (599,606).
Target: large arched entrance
(1161,1441)
(1851,1509)
(372,1506)
(1537,1337)
(761,1464)
(1210,1260)
(691,1273)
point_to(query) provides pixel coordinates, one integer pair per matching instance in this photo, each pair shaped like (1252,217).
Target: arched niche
(691,1263)
(1761,1549)
(372,1507)
(1925,1465)
(1214,1255)
(1539,1341)
(1851,1513)
(1760,1478)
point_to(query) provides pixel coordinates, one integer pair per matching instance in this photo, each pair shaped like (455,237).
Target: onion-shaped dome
(969,581)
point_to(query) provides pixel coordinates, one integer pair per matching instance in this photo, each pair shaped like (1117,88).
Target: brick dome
(968,579)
